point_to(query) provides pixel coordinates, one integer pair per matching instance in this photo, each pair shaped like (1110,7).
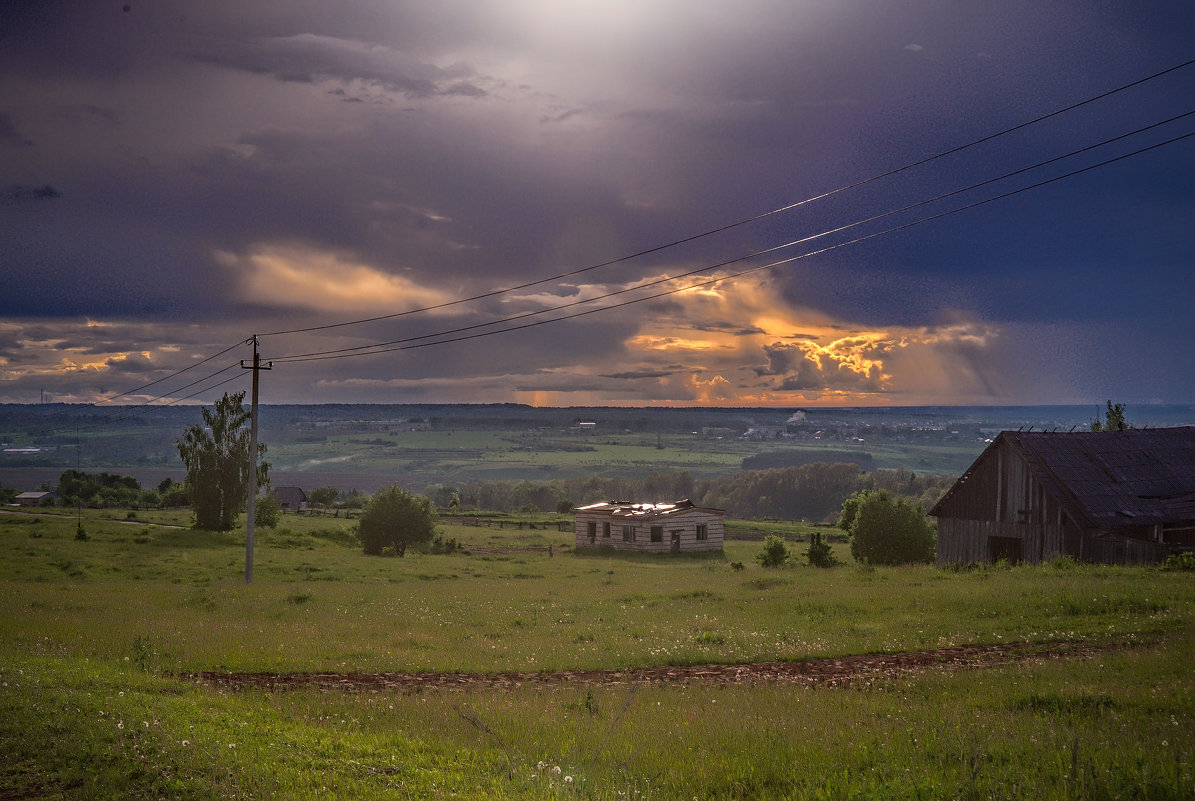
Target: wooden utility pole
(256,367)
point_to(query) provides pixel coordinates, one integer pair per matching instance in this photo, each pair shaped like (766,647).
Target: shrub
(396,517)
(887,531)
(267,511)
(446,546)
(819,554)
(775,552)
(1180,561)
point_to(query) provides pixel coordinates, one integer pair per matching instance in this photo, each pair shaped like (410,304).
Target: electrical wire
(376,347)
(747,220)
(124,412)
(771,265)
(166,378)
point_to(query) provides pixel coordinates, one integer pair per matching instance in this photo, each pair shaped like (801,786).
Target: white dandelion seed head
(555,770)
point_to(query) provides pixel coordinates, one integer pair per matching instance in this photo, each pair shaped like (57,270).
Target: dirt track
(835,671)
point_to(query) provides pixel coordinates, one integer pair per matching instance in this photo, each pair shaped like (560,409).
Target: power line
(168,377)
(745,221)
(124,412)
(741,273)
(378,346)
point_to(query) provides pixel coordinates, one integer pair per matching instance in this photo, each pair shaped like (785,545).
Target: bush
(819,554)
(1180,561)
(887,531)
(446,546)
(396,517)
(775,552)
(267,511)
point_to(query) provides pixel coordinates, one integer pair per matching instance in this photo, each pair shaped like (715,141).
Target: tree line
(813,492)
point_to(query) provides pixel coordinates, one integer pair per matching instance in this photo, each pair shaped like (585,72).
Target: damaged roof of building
(643,511)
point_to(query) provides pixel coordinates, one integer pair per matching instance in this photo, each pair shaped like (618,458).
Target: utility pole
(256,367)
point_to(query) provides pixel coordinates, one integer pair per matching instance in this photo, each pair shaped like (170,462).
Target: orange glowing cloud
(295,275)
(741,343)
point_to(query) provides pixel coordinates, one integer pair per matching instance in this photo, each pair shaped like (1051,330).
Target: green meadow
(99,638)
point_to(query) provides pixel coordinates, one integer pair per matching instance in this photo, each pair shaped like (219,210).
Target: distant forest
(813,492)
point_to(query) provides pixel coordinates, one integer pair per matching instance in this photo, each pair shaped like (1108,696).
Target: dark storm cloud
(9,135)
(18,192)
(636,374)
(306,58)
(729,327)
(195,163)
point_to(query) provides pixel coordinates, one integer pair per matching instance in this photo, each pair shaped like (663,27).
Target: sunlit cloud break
(296,275)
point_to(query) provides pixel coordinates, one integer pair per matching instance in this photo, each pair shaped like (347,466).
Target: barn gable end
(1120,497)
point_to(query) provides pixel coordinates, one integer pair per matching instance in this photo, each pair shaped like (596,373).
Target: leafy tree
(775,552)
(1113,419)
(887,530)
(98,489)
(323,496)
(176,495)
(396,518)
(217,458)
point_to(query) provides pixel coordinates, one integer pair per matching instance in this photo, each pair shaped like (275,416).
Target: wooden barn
(679,527)
(1115,497)
(291,499)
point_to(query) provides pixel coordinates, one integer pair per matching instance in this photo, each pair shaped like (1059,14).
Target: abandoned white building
(679,527)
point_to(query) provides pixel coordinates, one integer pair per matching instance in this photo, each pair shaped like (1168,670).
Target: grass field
(98,637)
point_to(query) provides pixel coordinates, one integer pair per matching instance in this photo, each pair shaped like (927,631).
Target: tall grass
(95,637)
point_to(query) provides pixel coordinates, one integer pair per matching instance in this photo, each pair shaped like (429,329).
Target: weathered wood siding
(1001,501)
(1122,551)
(684,523)
(964,542)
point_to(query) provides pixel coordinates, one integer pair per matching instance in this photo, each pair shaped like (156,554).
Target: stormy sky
(380,190)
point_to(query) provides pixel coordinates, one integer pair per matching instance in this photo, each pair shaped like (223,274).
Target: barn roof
(290,496)
(643,511)
(1110,478)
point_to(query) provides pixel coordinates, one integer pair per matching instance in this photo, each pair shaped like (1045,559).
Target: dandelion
(186,743)
(120,725)
(568,779)
(555,770)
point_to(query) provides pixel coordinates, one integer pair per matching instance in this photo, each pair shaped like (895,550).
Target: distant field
(462,444)
(96,637)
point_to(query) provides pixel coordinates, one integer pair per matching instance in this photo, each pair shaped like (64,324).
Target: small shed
(679,527)
(291,499)
(35,498)
(1115,497)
